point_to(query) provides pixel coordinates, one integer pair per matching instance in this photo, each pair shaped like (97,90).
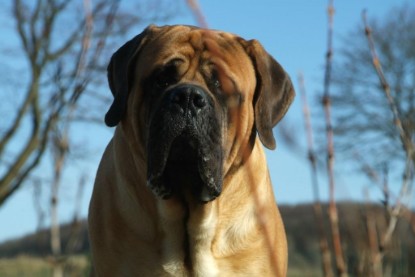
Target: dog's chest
(187,246)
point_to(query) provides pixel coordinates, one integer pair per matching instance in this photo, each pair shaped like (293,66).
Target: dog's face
(195,99)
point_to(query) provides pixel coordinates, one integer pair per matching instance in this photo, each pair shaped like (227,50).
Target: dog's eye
(166,75)
(165,78)
(163,82)
(216,83)
(215,80)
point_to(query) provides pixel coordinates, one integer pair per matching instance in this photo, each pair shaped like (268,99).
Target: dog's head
(195,99)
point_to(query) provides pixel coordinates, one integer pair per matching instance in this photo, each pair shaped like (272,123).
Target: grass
(26,266)
(302,272)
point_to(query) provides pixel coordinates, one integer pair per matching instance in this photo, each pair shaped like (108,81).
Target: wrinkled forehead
(190,43)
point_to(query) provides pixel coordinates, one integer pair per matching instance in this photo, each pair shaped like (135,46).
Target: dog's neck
(193,233)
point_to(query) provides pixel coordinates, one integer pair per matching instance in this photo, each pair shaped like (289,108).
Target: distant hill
(74,239)
(301,234)
(304,245)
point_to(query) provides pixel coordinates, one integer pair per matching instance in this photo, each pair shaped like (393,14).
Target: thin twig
(86,38)
(374,177)
(37,195)
(60,151)
(396,211)
(373,238)
(200,18)
(318,212)
(333,215)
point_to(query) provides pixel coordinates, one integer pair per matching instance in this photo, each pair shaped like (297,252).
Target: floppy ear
(119,72)
(273,95)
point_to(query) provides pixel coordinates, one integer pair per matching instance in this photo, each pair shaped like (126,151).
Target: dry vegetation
(22,266)
(32,252)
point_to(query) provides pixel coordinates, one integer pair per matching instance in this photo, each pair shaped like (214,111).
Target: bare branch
(404,135)
(35,29)
(37,194)
(61,66)
(318,212)
(74,37)
(340,263)
(60,149)
(406,141)
(373,237)
(374,177)
(86,39)
(18,9)
(24,155)
(8,135)
(197,12)
(15,183)
(399,206)
(34,20)
(109,21)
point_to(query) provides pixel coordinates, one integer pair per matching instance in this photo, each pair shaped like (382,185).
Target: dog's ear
(273,95)
(119,71)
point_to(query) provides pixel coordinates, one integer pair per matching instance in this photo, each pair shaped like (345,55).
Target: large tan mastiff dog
(183,187)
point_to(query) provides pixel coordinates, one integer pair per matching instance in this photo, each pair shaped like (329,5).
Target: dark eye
(163,82)
(166,77)
(215,80)
(216,83)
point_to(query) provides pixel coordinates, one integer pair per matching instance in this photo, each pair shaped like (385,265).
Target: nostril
(199,101)
(184,98)
(178,98)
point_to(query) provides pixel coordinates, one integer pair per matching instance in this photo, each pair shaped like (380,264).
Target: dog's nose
(188,97)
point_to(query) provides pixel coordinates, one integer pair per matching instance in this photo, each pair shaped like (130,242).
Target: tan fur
(238,234)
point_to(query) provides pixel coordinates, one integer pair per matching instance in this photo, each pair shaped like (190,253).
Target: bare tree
(363,121)
(374,117)
(65,45)
(406,137)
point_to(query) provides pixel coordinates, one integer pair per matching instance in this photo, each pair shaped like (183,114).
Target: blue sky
(294,32)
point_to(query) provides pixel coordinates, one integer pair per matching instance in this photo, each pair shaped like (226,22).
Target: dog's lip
(183,150)
(184,154)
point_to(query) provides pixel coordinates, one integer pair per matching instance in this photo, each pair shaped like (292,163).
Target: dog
(183,187)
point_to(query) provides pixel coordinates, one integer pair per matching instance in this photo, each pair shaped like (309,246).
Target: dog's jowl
(183,187)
